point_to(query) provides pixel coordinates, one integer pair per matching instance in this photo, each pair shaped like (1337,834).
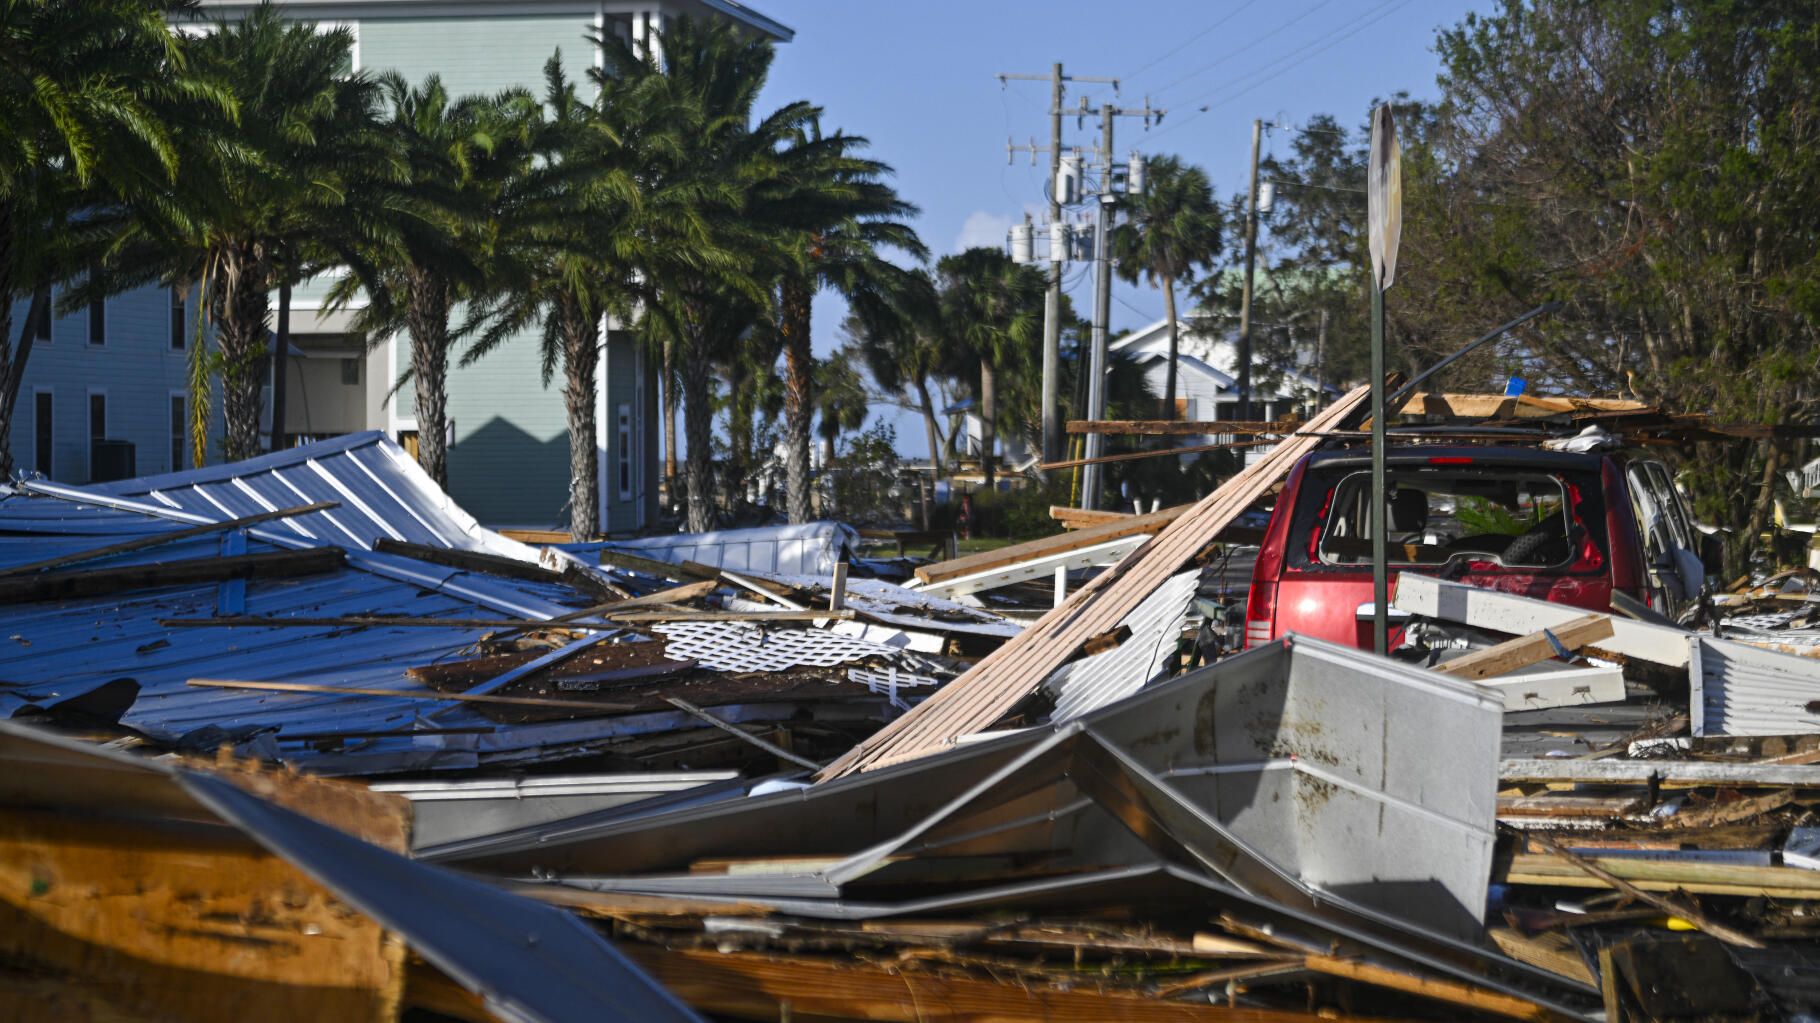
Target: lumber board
(684,615)
(325,690)
(160,539)
(648,566)
(757,986)
(1439,989)
(1061,543)
(1077,518)
(469,561)
(1509,613)
(1180,427)
(95,582)
(1664,876)
(988,690)
(1524,651)
(1671,773)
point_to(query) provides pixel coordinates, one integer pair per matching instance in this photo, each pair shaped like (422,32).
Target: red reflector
(1450,460)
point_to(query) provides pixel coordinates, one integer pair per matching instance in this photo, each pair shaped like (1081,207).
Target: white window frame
(88,423)
(46,470)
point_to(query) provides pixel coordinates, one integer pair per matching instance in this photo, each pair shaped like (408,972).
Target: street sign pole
(1384,200)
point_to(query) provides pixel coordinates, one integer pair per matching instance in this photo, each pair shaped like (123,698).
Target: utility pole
(1052,301)
(1251,261)
(1102,312)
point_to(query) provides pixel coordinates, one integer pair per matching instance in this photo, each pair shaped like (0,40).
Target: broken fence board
(1048,546)
(1524,651)
(1539,690)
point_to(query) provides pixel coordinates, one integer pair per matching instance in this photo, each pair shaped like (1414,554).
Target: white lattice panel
(886,683)
(739,646)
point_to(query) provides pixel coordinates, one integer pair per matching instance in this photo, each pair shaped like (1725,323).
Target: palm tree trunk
(739,434)
(988,419)
(698,425)
(670,382)
(1169,380)
(427,320)
(281,364)
(13,361)
(799,396)
(580,369)
(929,426)
(240,323)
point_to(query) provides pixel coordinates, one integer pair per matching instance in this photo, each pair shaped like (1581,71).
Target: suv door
(1671,543)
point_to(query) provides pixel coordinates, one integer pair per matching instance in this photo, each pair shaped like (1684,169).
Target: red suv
(1552,525)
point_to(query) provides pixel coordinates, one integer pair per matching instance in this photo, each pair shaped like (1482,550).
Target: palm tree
(285,195)
(900,343)
(720,241)
(457,157)
(992,314)
(841,214)
(841,400)
(1173,226)
(568,220)
(90,91)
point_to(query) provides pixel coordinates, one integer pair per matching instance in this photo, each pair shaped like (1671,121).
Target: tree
(457,157)
(899,342)
(91,91)
(720,241)
(839,213)
(568,216)
(841,400)
(1172,227)
(992,315)
(281,196)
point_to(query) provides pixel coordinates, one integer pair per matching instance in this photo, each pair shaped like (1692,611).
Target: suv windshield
(1486,517)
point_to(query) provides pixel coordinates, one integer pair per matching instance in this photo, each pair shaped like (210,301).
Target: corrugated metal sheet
(1741,689)
(1104,678)
(808,549)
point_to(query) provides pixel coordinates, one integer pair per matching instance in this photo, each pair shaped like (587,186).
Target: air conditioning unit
(111,460)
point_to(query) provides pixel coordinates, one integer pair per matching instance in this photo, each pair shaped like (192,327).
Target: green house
(509,456)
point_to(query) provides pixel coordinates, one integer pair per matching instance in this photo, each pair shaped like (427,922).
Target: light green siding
(479,54)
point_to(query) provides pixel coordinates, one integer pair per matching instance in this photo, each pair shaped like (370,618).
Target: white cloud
(983,229)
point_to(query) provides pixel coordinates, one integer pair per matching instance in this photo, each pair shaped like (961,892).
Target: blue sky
(918,80)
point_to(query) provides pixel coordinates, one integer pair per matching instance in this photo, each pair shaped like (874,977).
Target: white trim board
(1519,616)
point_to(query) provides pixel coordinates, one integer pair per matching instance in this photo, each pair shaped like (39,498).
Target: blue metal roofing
(55,650)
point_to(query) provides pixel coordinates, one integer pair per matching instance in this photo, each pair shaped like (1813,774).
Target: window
(180,430)
(44,425)
(350,61)
(97,316)
(1486,517)
(177,319)
(625,452)
(97,416)
(350,372)
(42,328)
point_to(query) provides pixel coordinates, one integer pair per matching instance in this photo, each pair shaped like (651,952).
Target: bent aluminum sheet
(1155,625)
(1340,785)
(1741,689)
(526,960)
(811,548)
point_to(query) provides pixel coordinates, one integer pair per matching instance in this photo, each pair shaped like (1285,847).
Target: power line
(1224,57)
(1288,61)
(1240,9)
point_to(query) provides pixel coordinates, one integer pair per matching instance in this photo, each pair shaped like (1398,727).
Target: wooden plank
(1180,427)
(1524,651)
(509,701)
(1132,456)
(978,698)
(568,622)
(1452,992)
(1538,690)
(684,615)
(1078,518)
(1062,543)
(1673,907)
(160,539)
(1668,773)
(648,566)
(95,582)
(469,561)
(161,919)
(1553,951)
(759,986)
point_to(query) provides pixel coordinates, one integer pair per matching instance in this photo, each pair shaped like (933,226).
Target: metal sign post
(1385,200)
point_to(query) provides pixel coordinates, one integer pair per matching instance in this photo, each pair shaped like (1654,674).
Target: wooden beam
(809,615)
(1079,518)
(758,986)
(160,539)
(1438,989)
(1519,616)
(1061,543)
(1673,907)
(96,582)
(1524,651)
(769,747)
(570,621)
(648,566)
(1180,427)
(327,690)
(1131,456)
(469,561)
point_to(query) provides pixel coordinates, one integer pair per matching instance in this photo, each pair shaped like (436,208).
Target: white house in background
(1206,382)
(968,430)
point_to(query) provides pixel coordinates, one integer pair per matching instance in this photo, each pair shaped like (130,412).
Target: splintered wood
(995,685)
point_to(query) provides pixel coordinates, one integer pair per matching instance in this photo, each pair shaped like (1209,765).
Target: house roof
(1159,330)
(732,9)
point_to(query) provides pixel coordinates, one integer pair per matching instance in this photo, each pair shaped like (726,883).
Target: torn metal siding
(808,549)
(1112,675)
(1740,689)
